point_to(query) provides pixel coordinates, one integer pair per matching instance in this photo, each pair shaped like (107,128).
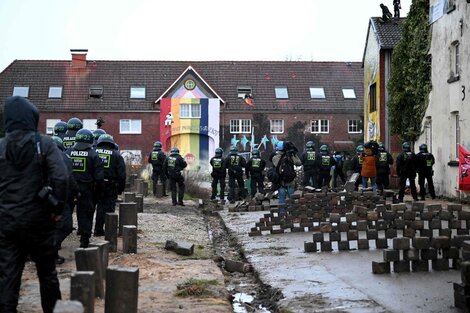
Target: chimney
(79,58)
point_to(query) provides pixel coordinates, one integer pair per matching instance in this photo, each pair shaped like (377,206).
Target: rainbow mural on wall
(196,136)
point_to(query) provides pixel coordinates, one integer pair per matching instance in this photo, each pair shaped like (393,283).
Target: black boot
(84,242)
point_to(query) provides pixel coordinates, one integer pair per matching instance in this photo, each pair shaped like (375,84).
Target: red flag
(248,99)
(464,169)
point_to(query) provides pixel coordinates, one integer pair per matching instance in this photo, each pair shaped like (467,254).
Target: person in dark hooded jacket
(27,222)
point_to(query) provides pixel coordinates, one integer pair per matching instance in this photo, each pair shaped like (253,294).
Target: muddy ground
(160,271)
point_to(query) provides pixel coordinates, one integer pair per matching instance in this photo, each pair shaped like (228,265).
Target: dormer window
(317,93)
(22,91)
(243,91)
(281,93)
(96,92)
(349,93)
(137,92)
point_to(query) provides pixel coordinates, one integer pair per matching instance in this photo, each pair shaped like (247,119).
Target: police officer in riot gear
(357,165)
(89,173)
(96,135)
(65,224)
(425,162)
(172,167)
(326,163)
(235,165)
(339,158)
(29,162)
(60,128)
(157,158)
(384,161)
(406,169)
(73,126)
(218,174)
(255,169)
(311,164)
(114,179)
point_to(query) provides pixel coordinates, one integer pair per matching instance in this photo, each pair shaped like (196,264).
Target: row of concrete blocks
(139,185)
(129,197)
(462,290)
(125,225)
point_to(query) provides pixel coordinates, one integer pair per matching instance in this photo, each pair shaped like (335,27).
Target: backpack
(286,170)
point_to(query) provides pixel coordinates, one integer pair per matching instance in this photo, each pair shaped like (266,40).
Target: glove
(291,152)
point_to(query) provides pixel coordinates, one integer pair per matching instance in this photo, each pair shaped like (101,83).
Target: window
(354,127)
(55,92)
(348,93)
(240,126)
(190,110)
(137,92)
(456,65)
(50,123)
(317,93)
(132,157)
(320,126)
(96,92)
(130,126)
(22,91)
(89,123)
(372,98)
(277,126)
(243,91)
(281,93)
(457,133)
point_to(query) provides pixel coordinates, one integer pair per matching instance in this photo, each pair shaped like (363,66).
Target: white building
(447,120)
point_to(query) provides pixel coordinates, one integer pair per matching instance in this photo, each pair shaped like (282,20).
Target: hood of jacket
(20,114)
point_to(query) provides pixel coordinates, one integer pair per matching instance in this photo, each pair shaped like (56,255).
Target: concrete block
(440,265)
(381,243)
(455,224)
(380,267)
(343,245)
(128,197)
(463,231)
(352,235)
(389,215)
(159,191)
(445,215)
(111,230)
(343,227)
(421,243)
(334,236)
(451,253)
(401,266)
(398,223)
(310,246)
(372,234)
(89,260)
(390,233)
(434,207)
(325,227)
(465,272)
(255,233)
(127,214)
(401,243)
(277,231)
(429,254)
(325,246)
(409,215)
(82,289)
(372,216)
(103,249)
(426,216)
(465,255)
(361,225)
(139,199)
(445,232)
(398,207)
(417,206)
(409,232)
(417,225)
(122,290)
(185,248)
(63,306)
(454,207)
(380,208)
(351,217)
(233,266)
(363,244)
(464,215)
(129,239)
(420,266)
(435,223)
(391,255)
(318,237)
(411,255)
(425,233)
(381,224)
(335,217)
(440,242)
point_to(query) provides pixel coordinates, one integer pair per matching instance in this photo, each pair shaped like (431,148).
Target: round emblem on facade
(189,84)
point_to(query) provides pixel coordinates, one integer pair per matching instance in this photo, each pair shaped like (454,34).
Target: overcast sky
(278,30)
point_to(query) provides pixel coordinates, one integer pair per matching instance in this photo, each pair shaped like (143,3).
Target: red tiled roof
(116,78)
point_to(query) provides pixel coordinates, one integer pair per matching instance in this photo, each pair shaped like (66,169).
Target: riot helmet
(174,150)
(219,152)
(310,146)
(381,147)
(324,149)
(255,152)
(157,145)
(97,133)
(406,146)
(359,149)
(83,139)
(58,141)
(74,124)
(423,148)
(233,150)
(106,140)
(60,128)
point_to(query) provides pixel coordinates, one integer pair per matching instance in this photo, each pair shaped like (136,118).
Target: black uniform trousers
(401,192)
(310,178)
(65,224)
(257,183)
(218,180)
(177,180)
(338,172)
(106,204)
(15,246)
(85,209)
(382,180)
(156,175)
(233,181)
(323,179)
(422,177)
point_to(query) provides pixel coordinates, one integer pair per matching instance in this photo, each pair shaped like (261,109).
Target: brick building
(212,103)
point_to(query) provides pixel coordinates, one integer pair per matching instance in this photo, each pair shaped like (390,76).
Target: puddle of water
(239,299)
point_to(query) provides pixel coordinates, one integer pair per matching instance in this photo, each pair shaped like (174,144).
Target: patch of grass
(196,288)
